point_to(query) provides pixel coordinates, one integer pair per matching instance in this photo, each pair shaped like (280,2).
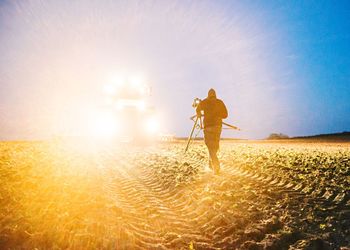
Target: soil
(267,196)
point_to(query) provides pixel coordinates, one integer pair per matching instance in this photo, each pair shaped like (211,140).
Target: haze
(278,66)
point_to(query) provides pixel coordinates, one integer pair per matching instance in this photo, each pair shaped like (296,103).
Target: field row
(267,197)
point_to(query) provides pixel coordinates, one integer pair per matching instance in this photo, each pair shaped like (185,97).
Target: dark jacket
(214,111)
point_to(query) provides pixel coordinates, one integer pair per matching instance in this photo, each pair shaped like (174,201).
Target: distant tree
(276,136)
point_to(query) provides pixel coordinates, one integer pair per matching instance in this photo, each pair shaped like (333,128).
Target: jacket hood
(211,93)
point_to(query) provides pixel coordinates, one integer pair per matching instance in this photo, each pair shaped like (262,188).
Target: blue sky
(320,39)
(280,66)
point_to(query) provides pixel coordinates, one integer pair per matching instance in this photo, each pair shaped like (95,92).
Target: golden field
(269,195)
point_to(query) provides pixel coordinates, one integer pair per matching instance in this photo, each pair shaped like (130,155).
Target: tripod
(195,125)
(195,118)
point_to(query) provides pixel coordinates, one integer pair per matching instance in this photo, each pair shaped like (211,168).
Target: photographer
(214,111)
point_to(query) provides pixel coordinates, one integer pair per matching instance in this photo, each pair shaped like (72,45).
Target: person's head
(211,93)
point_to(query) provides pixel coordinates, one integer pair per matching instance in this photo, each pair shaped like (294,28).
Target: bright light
(136,81)
(118,105)
(109,89)
(118,80)
(104,125)
(152,125)
(141,106)
(108,101)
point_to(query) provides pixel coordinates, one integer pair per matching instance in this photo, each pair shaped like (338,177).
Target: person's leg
(207,141)
(215,160)
(210,159)
(215,149)
(211,138)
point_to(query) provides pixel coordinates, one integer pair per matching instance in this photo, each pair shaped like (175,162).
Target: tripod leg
(230,126)
(190,137)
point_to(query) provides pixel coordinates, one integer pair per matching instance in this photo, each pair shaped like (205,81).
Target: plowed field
(268,196)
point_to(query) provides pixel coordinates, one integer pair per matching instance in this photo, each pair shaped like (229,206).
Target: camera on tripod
(196,102)
(197,119)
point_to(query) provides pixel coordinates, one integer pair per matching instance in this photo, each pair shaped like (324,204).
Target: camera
(196,102)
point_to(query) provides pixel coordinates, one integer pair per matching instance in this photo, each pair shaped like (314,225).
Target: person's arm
(223,111)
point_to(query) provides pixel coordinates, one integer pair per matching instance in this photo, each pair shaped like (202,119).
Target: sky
(279,66)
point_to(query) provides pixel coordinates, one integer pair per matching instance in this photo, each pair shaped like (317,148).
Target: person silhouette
(213,110)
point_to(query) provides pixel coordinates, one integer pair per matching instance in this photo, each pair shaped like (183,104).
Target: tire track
(150,206)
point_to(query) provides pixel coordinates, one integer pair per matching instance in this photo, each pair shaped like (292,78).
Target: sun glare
(104,125)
